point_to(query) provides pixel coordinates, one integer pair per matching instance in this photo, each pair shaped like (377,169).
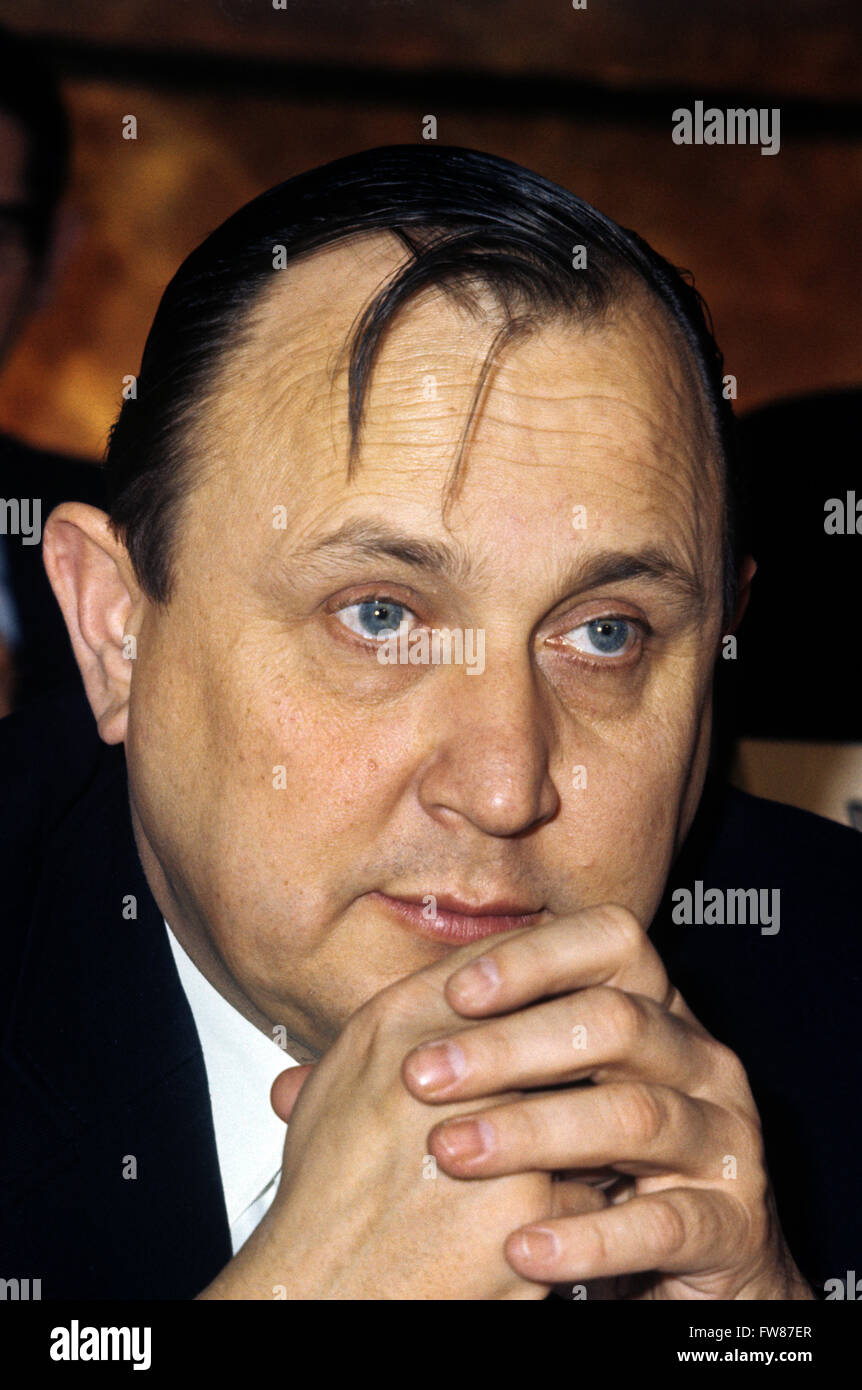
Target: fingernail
(476,981)
(538,1244)
(438,1065)
(467,1138)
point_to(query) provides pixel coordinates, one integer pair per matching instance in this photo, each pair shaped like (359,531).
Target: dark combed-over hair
(470,221)
(30,95)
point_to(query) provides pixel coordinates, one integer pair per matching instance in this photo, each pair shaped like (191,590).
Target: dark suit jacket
(101,1060)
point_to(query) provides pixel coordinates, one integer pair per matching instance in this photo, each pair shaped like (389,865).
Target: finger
(677,1231)
(603,945)
(628,1127)
(285,1090)
(571,1198)
(600,1033)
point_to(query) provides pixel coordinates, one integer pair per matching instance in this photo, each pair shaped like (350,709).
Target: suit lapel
(115,1148)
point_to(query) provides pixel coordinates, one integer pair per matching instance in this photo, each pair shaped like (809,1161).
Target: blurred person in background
(799,733)
(35,655)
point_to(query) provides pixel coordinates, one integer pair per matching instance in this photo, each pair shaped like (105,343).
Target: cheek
(620,823)
(300,777)
(344,775)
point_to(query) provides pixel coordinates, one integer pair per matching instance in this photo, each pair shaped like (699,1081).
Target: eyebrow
(371,540)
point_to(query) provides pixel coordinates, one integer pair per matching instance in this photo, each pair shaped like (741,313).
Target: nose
(492,749)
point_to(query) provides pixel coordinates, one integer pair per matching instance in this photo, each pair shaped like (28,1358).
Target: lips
(443,917)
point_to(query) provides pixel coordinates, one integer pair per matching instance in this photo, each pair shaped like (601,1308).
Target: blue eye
(377,617)
(603,636)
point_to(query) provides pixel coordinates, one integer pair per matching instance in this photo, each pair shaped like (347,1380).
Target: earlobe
(94,584)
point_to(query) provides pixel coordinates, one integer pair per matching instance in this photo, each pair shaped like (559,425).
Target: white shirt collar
(241,1065)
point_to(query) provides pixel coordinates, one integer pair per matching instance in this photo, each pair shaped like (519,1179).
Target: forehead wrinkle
(285,362)
(682,457)
(295,365)
(249,421)
(612,404)
(309,406)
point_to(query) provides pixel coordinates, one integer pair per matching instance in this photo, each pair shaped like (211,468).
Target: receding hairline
(629,295)
(471,292)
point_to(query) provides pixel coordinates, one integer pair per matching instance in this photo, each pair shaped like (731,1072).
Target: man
(417,391)
(35,656)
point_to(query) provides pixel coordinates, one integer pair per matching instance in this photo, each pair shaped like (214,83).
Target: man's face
(563,774)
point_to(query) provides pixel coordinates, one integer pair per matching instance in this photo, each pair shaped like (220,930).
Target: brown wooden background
(231,96)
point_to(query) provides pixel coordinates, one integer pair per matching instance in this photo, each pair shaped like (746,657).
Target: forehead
(610,413)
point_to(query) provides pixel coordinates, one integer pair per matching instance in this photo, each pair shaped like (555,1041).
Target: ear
(102,604)
(747,571)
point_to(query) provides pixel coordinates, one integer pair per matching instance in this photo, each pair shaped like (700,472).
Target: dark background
(231,96)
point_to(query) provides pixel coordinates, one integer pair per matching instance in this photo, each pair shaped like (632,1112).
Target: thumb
(286,1088)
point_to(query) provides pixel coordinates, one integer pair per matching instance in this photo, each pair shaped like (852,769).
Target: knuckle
(755,1211)
(729,1069)
(710,1221)
(376,1011)
(597,1246)
(753,1165)
(666,1228)
(385,1013)
(528,952)
(722,1226)
(622,926)
(743,1140)
(523,1123)
(623,1019)
(364,1033)
(640,1114)
(491,1048)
